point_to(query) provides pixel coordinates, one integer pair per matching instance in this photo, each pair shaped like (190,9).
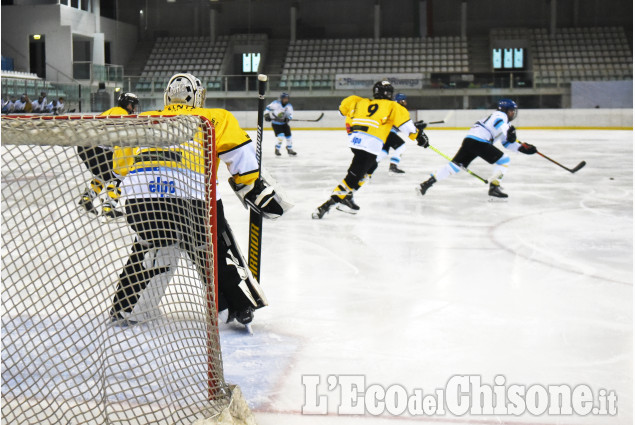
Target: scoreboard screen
(504,59)
(250,62)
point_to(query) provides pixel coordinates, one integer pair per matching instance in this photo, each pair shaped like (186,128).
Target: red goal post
(63,358)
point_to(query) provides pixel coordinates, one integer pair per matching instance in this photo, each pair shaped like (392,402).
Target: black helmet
(126,99)
(383,90)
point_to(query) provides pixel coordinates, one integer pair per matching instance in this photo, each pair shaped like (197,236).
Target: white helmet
(185,89)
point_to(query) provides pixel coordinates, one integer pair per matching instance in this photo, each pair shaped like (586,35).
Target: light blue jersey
(278,113)
(490,129)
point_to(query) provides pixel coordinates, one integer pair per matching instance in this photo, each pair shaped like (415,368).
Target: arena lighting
(36,36)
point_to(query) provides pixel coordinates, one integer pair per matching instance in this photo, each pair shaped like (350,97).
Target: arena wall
(530,118)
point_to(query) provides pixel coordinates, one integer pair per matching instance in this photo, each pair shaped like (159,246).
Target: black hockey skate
(291,152)
(108,210)
(278,152)
(423,187)
(86,202)
(322,209)
(495,190)
(395,170)
(347,204)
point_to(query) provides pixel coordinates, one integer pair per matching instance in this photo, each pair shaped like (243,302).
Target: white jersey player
(280,112)
(479,142)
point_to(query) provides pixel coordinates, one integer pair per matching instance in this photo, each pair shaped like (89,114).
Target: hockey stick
(315,120)
(571,170)
(462,167)
(437,122)
(255,218)
(253,290)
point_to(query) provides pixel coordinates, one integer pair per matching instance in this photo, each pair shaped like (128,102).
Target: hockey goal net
(68,356)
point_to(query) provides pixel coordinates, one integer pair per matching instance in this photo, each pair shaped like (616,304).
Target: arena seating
(317,61)
(595,53)
(197,55)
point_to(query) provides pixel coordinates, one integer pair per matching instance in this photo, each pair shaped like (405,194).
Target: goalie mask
(184,89)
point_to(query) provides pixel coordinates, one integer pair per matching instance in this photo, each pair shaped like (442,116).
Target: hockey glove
(267,118)
(527,149)
(420,125)
(511,134)
(422,139)
(261,198)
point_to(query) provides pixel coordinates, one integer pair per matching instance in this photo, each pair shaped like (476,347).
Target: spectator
(38,105)
(45,100)
(23,105)
(52,107)
(61,107)
(9,106)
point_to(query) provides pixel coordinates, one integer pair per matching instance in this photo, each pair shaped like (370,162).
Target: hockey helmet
(284,96)
(184,89)
(506,105)
(400,97)
(383,90)
(128,99)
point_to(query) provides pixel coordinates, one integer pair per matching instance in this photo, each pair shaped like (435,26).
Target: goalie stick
(255,217)
(315,120)
(254,290)
(462,167)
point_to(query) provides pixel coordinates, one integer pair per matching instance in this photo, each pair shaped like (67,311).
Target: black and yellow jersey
(376,117)
(117,110)
(233,146)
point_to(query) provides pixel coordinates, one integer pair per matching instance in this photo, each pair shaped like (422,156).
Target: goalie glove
(527,149)
(261,197)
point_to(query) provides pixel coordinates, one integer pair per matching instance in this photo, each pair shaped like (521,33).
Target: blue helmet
(506,105)
(399,97)
(283,95)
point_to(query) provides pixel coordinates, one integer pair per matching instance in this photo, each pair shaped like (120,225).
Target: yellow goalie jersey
(117,110)
(376,117)
(178,170)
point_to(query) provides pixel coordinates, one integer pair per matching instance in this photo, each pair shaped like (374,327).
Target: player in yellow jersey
(166,207)
(98,160)
(368,123)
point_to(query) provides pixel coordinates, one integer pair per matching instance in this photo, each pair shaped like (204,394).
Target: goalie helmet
(126,100)
(506,105)
(184,89)
(383,90)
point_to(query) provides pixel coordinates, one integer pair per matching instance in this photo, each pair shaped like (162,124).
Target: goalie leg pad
(161,263)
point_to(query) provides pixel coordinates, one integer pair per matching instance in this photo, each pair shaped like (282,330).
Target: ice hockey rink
(414,290)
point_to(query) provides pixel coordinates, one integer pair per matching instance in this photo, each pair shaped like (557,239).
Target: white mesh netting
(108,305)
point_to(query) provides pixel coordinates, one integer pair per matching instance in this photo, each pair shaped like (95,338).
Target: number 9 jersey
(370,121)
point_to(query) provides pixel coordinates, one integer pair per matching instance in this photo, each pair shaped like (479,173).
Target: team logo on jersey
(162,187)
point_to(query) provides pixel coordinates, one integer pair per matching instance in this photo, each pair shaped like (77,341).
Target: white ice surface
(414,290)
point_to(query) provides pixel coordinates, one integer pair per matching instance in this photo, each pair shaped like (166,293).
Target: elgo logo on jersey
(162,187)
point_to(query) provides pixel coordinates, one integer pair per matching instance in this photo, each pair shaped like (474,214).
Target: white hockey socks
(446,171)
(500,169)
